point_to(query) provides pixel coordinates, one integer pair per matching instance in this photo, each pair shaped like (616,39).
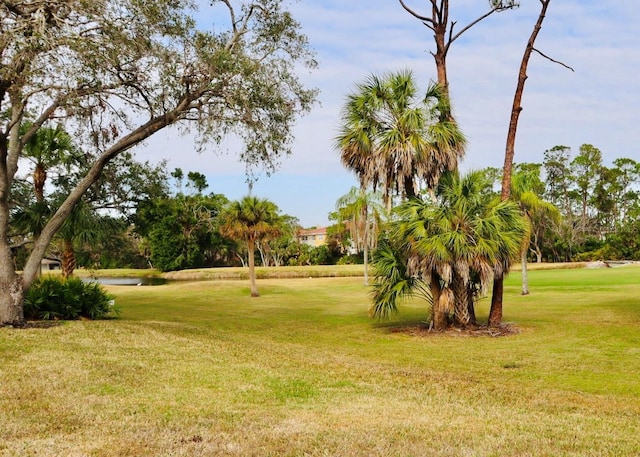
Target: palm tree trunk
(366,244)
(68,259)
(366,264)
(251,245)
(461,304)
(471,302)
(39,179)
(525,274)
(440,317)
(495,314)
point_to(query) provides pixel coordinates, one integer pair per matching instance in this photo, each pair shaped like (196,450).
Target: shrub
(53,297)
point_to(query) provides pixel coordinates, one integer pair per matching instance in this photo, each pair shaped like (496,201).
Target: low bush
(53,297)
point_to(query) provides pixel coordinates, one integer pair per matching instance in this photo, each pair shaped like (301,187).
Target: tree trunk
(251,245)
(495,315)
(461,305)
(525,275)
(471,308)
(39,179)
(11,304)
(440,317)
(68,259)
(366,264)
(365,244)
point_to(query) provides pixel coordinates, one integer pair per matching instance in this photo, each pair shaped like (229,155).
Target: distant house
(47,265)
(313,237)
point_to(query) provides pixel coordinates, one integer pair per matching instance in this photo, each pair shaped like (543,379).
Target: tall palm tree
(363,213)
(453,244)
(394,139)
(250,220)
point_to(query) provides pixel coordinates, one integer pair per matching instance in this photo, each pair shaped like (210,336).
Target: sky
(598,103)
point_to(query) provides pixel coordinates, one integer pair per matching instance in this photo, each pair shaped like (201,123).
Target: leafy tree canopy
(116,72)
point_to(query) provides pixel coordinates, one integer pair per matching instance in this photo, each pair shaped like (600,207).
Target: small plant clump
(55,298)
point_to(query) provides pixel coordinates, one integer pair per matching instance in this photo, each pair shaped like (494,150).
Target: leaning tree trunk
(251,245)
(495,314)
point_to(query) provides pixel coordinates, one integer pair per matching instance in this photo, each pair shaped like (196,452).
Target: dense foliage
(53,298)
(598,205)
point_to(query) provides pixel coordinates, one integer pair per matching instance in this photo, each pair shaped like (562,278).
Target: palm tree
(453,244)
(362,212)
(393,139)
(47,148)
(526,187)
(251,220)
(83,226)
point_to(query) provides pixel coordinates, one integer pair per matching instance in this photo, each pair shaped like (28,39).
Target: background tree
(526,190)
(251,220)
(182,231)
(363,214)
(277,251)
(84,227)
(118,72)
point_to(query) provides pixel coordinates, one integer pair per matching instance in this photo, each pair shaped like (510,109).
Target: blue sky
(599,103)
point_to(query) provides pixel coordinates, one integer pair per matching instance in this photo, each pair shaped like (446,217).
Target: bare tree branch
(553,60)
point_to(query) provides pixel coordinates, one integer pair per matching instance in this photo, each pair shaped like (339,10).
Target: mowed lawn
(202,369)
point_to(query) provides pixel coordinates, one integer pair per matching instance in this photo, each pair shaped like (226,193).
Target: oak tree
(115,72)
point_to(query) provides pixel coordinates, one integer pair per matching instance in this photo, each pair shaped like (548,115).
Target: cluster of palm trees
(449,235)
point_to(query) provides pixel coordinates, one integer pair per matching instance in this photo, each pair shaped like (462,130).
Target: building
(47,265)
(313,237)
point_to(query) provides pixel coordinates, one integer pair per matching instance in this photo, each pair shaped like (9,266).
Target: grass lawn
(202,369)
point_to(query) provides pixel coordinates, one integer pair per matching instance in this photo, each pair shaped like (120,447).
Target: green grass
(202,369)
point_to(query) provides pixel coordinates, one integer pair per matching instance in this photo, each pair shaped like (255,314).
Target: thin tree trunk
(366,243)
(525,274)
(252,268)
(495,314)
(366,265)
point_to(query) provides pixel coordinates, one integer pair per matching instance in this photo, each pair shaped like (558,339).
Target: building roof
(313,231)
